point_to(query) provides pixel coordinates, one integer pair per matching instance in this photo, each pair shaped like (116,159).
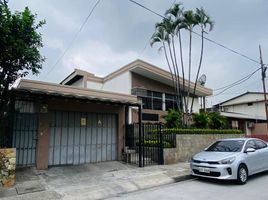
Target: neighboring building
(244,111)
(149,83)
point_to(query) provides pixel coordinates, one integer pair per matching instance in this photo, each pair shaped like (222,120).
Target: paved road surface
(203,189)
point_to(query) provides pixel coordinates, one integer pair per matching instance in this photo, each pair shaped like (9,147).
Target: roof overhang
(38,87)
(242,116)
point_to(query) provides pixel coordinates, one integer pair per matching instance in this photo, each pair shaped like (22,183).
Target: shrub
(217,121)
(201,131)
(173,119)
(156,143)
(201,120)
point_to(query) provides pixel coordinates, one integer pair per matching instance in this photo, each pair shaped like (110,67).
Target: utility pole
(263,76)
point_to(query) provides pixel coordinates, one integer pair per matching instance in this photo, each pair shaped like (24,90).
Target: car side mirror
(250,150)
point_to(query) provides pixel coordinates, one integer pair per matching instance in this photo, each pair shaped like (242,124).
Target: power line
(238,83)
(238,80)
(74,38)
(206,38)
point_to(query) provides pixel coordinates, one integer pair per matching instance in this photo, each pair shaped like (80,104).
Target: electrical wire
(206,38)
(221,88)
(237,83)
(74,38)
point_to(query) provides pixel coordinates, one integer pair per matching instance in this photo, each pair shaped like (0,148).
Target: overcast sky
(118,31)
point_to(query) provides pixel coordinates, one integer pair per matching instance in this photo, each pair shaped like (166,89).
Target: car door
(262,155)
(252,157)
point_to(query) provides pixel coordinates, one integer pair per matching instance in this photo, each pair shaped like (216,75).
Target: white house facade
(151,84)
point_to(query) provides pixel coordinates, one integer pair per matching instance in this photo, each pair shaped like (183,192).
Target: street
(203,189)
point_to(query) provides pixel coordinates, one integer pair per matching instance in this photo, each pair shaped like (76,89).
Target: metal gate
(77,138)
(147,147)
(25,127)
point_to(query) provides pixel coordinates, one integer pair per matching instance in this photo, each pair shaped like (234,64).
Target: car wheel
(242,174)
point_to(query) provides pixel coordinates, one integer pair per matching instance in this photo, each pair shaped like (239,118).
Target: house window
(170,101)
(250,104)
(152,100)
(150,117)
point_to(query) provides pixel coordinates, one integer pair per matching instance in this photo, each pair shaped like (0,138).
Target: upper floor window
(152,100)
(170,101)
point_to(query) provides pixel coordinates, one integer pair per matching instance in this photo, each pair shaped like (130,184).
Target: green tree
(204,21)
(19,48)
(217,121)
(201,120)
(173,119)
(175,23)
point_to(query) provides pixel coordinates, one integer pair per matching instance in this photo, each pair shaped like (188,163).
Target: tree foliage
(167,33)
(19,47)
(209,120)
(173,119)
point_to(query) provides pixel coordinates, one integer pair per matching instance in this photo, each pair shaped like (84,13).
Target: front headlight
(227,161)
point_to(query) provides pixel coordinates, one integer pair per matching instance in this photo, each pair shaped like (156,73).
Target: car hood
(213,156)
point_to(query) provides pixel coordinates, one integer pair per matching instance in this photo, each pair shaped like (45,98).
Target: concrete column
(163,101)
(121,132)
(43,141)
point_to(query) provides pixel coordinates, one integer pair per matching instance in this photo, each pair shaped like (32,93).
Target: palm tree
(162,36)
(176,13)
(168,32)
(189,21)
(204,21)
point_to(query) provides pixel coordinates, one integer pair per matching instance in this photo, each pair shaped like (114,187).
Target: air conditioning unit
(250,124)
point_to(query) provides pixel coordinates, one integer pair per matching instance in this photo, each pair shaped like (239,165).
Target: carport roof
(38,87)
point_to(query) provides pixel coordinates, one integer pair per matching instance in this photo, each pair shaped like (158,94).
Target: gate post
(161,159)
(140,138)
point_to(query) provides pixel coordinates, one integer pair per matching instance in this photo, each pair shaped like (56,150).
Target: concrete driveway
(91,181)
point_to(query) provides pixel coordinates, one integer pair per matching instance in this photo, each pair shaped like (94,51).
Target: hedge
(201,131)
(156,143)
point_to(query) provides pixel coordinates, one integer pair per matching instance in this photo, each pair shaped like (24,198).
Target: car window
(251,144)
(260,144)
(227,146)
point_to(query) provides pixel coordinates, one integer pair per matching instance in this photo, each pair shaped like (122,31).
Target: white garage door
(78,138)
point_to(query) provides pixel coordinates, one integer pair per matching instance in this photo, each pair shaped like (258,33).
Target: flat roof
(38,87)
(140,67)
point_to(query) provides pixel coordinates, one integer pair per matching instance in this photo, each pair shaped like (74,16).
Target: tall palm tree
(162,36)
(176,13)
(204,21)
(189,21)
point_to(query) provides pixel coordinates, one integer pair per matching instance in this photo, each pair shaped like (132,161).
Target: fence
(146,147)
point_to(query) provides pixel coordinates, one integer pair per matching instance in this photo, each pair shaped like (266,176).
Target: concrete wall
(94,85)
(259,129)
(7,167)
(187,145)
(119,84)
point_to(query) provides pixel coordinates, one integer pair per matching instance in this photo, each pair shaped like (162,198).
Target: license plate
(204,170)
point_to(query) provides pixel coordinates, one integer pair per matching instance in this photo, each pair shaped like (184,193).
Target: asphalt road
(204,189)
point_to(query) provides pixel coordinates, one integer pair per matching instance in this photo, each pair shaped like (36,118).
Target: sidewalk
(92,181)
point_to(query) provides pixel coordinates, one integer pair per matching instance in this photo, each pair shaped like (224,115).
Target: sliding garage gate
(25,126)
(77,138)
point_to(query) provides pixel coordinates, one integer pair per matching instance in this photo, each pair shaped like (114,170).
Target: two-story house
(149,83)
(244,111)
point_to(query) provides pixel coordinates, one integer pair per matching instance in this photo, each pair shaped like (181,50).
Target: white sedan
(231,159)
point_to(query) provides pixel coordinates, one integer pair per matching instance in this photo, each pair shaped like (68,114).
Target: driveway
(92,181)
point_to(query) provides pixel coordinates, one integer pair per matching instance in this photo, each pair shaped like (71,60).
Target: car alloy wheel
(242,174)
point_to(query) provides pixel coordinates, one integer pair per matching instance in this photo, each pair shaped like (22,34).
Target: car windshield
(227,146)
